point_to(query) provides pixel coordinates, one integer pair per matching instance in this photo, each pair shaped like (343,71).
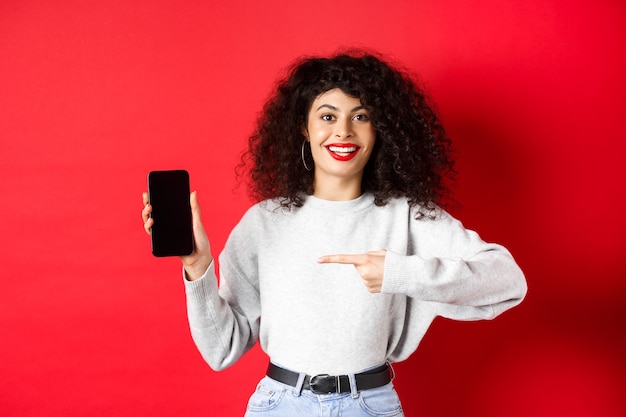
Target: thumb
(193,201)
(195,211)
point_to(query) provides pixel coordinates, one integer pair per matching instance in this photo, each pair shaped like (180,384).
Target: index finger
(343,259)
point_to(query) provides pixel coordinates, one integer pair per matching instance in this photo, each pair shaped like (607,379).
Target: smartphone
(172,232)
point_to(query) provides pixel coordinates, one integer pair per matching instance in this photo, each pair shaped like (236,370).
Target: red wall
(94,94)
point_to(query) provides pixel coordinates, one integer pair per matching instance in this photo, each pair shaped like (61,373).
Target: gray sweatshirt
(320,318)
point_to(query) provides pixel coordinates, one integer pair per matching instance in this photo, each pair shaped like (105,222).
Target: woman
(347,257)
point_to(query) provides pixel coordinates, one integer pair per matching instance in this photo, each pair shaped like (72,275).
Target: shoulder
(262,212)
(259,222)
(433,220)
(268,208)
(417,212)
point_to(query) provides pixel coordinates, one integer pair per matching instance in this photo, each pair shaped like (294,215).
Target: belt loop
(298,388)
(393,371)
(354,392)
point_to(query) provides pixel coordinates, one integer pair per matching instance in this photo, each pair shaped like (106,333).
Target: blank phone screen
(172,233)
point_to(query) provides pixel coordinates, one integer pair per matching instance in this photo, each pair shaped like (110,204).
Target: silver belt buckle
(325,384)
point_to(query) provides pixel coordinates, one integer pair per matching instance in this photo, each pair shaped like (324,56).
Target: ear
(305,132)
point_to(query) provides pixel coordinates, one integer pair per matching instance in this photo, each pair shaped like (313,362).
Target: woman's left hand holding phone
(199,260)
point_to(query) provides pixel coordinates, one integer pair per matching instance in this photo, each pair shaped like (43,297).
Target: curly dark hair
(412,153)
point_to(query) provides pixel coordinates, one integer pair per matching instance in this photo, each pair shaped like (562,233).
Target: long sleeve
(225,323)
(451,265)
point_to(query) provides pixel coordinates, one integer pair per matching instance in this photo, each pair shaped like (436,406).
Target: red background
(94,94)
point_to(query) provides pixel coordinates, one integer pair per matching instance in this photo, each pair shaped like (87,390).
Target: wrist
(197,269)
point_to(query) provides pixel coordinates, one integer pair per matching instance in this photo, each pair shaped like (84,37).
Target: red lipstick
(343,151)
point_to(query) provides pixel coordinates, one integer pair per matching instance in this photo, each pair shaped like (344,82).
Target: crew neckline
(360,203)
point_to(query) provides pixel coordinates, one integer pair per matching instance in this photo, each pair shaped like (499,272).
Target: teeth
(342,149)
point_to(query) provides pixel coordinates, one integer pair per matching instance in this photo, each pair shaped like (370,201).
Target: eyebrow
(357,108)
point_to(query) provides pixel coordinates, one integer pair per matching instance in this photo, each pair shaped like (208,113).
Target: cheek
(314,142)
(371,134)
(317,134)
(371,145)
(368,155)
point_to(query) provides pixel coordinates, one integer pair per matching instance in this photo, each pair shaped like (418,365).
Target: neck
(337,189)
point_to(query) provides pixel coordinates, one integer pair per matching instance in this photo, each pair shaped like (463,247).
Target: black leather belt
(327,384)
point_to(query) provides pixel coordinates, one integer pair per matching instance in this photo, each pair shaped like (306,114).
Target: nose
(343,128)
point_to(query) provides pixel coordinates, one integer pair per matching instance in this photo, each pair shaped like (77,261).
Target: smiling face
(342,138)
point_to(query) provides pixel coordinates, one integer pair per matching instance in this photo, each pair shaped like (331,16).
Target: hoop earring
(302,153)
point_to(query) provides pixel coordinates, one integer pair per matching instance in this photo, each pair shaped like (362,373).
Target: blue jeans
(274,399)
